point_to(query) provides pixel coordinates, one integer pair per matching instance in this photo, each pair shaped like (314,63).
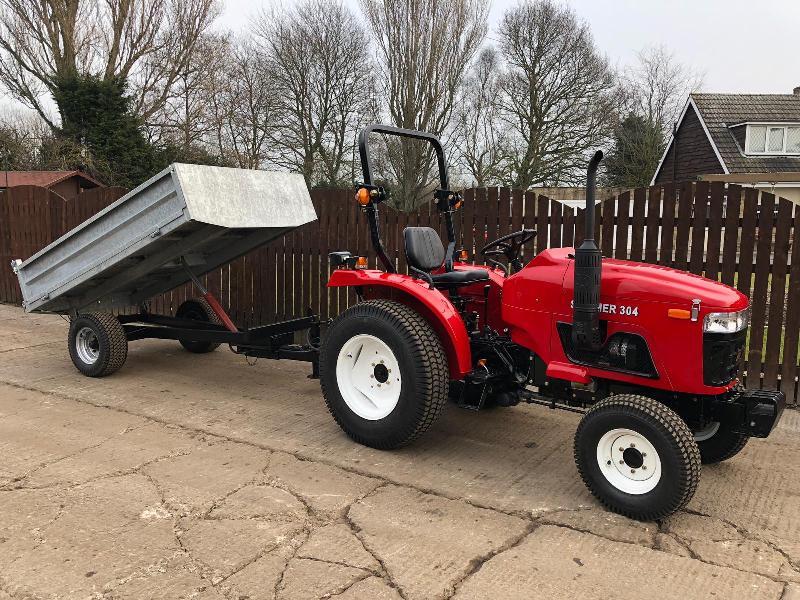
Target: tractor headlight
(727,322)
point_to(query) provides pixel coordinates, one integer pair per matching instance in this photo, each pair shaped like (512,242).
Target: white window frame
(766,152)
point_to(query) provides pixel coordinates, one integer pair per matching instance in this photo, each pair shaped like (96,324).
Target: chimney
(796,91)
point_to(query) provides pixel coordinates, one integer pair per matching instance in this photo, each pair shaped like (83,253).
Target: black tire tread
(678,432)
(110,331)
(199,347)
(711,457)
(432,369)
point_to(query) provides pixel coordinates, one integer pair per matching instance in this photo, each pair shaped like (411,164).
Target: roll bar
(363,148)
(445,199)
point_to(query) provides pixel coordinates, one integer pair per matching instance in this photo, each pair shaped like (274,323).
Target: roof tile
(719,111)
(40,178)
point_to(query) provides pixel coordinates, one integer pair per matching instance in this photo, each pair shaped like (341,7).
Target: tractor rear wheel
(383,373)
(97,344)
(718,443)
(198,309)
(637,456)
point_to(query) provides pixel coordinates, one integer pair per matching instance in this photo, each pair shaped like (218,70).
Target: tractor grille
(722,356)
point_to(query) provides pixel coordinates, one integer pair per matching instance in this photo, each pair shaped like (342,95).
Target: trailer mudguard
(431,304)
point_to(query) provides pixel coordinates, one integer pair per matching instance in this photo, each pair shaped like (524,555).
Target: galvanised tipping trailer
(178,225)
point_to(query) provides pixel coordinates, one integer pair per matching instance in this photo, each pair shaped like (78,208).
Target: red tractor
(651,355)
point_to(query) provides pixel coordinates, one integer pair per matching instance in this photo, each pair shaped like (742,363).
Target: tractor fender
(434,306)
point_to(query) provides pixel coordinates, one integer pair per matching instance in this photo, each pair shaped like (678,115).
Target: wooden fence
(742,237)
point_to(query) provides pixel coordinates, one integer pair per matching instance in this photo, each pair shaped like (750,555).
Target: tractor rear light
(727,322)
(361,262)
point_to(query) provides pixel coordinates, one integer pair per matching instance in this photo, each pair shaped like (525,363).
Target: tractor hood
(652,283)
(627,280)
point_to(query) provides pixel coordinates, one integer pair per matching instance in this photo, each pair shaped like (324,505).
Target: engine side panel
(635,298)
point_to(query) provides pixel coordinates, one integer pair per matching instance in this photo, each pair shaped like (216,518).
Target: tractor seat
(425,252)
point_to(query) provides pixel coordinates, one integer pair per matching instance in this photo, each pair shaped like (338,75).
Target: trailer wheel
(637,456)
(97,344)
(383,373)
(718,443)
(198,309)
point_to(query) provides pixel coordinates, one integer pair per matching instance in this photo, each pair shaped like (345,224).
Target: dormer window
(773,139)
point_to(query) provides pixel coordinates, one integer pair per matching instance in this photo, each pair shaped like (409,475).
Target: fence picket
(730,249)
(637,223)
(714,230)
(760,285)
(568,227)
(747,241)
(556,223)
(607,231)
(653,224)
(682,231)
(623,214)
(468,224)
(777,295)
(517,209)
(529,219)
(669,194)
(789,369)
(698,235)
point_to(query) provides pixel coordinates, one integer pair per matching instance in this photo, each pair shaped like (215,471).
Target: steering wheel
(509,246)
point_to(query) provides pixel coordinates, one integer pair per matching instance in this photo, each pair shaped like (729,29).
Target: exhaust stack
(586,333)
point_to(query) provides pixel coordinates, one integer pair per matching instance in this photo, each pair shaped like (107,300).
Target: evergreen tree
(96,115)
(638,146)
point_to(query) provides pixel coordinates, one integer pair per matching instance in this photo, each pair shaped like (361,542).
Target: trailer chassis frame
(273,341)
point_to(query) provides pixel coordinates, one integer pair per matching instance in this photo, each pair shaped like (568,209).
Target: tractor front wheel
(383,373)
(637,457)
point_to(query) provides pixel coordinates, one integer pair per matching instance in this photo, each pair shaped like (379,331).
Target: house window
(773,139)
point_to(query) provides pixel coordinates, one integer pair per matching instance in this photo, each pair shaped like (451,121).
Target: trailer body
(132,250)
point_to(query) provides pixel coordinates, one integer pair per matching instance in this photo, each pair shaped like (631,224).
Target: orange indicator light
(362,196)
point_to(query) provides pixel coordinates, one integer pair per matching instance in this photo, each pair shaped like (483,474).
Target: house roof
(44,178)
(720,111)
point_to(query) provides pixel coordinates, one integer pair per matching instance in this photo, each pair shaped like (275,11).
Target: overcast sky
(739,45)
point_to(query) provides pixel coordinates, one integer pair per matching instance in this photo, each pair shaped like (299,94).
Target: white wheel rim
(369,378)
(629,461)
(87,345)
(708,432)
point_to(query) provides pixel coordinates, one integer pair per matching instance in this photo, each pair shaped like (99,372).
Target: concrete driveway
(186,476)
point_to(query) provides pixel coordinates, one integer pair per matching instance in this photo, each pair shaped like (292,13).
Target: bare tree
(319,55)
(653,93)
(556,94)
(424,48)
(20,139)
(146,42)
(657,87)
(246,101)
(477,127)
(187,118)
(27,143)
